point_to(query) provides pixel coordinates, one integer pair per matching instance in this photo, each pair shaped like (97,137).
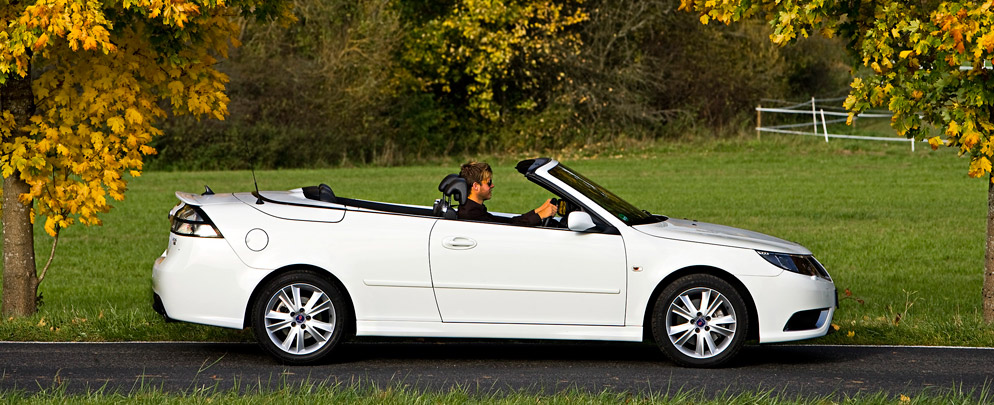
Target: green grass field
(902,231)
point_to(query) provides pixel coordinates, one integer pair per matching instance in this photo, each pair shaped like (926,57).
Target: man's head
(480,179)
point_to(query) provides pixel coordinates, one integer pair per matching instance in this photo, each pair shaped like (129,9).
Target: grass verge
(340,394)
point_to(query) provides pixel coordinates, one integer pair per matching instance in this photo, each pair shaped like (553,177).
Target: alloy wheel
(300,319)
(701,323)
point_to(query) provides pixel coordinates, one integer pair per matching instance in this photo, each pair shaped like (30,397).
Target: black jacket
(474,211)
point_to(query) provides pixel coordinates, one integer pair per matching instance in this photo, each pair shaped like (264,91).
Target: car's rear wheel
(700,321)
(299,317)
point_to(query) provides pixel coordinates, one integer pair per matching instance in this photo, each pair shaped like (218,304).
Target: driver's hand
(546,210)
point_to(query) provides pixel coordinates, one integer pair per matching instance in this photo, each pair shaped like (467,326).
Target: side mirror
(579,221)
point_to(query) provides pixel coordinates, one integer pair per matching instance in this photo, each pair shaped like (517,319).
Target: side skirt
(498,331)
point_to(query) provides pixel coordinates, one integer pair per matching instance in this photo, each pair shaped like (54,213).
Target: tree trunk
(988,291)
(20,279)
(20,283)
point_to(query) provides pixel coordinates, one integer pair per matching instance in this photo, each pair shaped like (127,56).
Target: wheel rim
(300,319)
(701,323)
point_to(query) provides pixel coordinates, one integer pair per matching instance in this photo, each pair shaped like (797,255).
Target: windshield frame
(610,202)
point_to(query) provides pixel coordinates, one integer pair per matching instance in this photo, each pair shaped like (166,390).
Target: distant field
(902,231)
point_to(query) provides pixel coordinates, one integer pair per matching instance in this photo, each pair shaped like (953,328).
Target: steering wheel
(562,208)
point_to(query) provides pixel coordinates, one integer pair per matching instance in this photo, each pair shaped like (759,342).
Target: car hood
(693,231)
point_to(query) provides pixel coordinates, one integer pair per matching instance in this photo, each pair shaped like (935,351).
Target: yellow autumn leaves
(103,78)
(973,141)
(80,23)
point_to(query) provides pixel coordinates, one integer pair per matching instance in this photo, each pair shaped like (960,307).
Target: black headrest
(325,194)
(320,193)
(455,187)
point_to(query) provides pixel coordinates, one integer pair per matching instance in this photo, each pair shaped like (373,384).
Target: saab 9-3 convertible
(306,269)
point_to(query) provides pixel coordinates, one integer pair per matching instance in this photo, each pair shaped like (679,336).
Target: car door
(496,273)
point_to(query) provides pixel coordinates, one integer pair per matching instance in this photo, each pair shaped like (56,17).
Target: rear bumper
(157,305)
(159,308)
(201,280)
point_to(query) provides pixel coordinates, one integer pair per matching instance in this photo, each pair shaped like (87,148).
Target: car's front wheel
(299,317)
(700,321)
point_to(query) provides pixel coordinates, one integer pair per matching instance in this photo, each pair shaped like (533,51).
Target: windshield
(621,209)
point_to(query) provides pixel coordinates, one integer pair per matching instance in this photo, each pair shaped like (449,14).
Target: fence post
(814,116)
(759,120)
(823,127)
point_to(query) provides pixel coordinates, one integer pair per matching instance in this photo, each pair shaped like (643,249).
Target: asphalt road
(489,367)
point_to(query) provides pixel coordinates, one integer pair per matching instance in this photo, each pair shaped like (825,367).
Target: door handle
(458,243)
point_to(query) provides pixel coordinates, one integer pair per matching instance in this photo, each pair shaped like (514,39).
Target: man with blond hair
(479,176)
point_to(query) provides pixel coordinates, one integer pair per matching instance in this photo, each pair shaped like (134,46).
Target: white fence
(819,109)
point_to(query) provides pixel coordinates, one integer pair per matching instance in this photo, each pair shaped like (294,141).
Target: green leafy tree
(927,61)
(82,85)
(488,57)
(317,92)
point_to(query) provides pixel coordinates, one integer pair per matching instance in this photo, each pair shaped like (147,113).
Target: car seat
(454,190)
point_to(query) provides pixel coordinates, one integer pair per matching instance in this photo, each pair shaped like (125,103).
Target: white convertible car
(306,269)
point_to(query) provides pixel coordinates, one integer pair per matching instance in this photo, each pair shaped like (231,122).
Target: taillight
(190,220)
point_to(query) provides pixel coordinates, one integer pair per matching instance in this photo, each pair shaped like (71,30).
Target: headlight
(191,221)
(800,264)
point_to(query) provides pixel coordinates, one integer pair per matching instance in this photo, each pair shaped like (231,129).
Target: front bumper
(792,306)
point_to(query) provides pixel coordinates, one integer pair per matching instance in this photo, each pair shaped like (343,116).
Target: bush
(393,82)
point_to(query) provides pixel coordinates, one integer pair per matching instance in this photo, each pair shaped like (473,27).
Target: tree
(82,85)
(489,56)
(924,60)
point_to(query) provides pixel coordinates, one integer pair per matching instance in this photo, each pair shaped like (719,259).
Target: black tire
(696,337)
(310,325)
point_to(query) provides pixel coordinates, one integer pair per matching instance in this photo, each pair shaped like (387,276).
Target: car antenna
(207,190)
(257,195)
